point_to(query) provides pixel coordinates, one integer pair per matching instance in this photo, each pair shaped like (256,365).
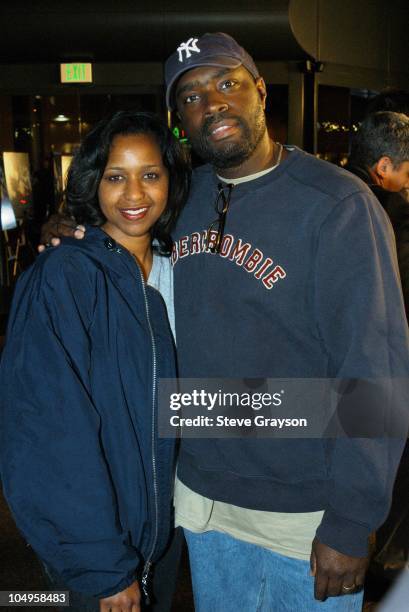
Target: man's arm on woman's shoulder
(58,226)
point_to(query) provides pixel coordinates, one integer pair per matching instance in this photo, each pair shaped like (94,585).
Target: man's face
(222,110)
(396,179)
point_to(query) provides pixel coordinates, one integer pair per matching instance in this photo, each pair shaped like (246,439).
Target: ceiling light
(61,118)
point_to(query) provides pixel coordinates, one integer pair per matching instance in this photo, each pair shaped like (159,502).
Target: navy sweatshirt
(306,286)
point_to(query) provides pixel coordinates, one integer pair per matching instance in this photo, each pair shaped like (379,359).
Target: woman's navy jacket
(85,475)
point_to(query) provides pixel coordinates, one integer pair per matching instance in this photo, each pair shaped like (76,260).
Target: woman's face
(133,191)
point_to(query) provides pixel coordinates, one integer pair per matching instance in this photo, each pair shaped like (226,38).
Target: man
(380,157)
(295,278)
(295,291)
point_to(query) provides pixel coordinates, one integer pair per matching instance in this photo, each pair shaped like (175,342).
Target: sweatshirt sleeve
(362,326)
(54,473)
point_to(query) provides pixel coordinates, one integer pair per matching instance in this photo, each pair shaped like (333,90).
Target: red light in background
(23,201)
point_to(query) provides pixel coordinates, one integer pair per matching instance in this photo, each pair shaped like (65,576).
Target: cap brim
(217,61)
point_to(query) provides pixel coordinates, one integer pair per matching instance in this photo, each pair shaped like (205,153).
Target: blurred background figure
(380,157)
(391,99)
(43,199)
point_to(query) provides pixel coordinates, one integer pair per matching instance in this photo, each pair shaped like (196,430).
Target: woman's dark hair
(88,165)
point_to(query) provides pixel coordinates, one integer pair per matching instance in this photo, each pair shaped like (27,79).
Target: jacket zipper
(148,562)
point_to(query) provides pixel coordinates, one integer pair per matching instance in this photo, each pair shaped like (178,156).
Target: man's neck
(263,157)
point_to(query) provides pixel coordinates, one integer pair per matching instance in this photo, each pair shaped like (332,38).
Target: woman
(86,478)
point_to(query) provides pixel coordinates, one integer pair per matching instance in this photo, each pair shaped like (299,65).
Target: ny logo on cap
(187,47)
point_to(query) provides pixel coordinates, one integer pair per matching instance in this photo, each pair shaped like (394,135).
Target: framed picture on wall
(18,183)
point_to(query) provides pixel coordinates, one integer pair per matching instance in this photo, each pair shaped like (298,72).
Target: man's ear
(262,90)
(383,167)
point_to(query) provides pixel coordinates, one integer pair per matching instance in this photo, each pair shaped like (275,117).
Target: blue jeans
(229,575)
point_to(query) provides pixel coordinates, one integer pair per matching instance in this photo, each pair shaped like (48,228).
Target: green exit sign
(76,73)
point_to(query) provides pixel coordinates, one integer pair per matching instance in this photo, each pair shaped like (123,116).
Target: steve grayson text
(224,421)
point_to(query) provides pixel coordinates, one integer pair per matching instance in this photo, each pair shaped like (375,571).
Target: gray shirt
(161,278)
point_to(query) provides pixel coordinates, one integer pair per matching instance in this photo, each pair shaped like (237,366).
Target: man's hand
(57,226)
(335,573)
(128,600)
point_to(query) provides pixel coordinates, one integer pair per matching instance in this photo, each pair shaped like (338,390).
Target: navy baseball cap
(217,49)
